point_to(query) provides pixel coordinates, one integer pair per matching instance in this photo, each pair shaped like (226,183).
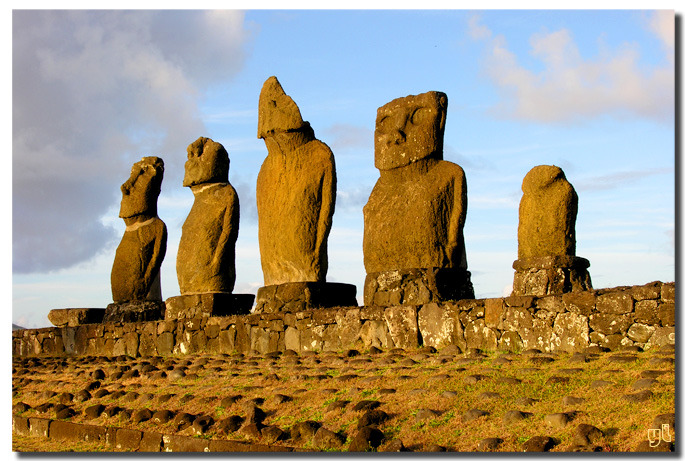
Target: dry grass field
(413,400)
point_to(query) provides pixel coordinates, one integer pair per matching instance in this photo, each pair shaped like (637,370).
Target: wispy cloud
(93,91)
(346,136)
(571,87)
(613,180)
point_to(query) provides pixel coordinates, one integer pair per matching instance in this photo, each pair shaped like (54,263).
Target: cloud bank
(570,87)
(93,91)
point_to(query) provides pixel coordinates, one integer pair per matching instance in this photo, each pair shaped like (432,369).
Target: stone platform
(417,286)
(134,311)
(207,305)
(551,275)
(300,296)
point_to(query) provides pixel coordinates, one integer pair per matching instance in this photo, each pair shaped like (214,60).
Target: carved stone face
(140,192)
(410,129)
(207,163)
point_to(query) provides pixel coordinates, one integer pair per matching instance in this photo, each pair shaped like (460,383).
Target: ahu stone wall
(613,318)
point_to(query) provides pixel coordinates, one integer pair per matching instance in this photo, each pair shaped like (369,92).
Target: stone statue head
(278,113)
(140,192)
(207,163)
(409,129)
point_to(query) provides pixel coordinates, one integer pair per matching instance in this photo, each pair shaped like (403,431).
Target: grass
(624,423)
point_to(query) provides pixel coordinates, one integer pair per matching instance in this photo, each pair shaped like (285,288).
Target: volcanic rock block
(75,317)
(139,256)
(300,296)
(207,305)
(414,249)
(547,262)
(206,251)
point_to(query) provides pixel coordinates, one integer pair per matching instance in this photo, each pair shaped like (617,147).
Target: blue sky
(588,90)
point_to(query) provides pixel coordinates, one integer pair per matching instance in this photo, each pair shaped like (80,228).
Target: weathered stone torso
(547,214)
(415,216)
(295,201)
(137,262)
(206,252)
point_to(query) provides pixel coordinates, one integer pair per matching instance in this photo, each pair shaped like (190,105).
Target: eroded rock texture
(296,190)
(547,214)
(414,218)
(206,251)
(139,256)
(547,262)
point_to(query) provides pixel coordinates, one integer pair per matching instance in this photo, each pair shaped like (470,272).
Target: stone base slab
(134,311)
(71,317)
(300,296)
(551,275)
(417,286)
(208,305)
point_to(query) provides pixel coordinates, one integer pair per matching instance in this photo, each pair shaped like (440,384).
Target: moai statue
(205,264)
(296,190)
(414,249)
(135,273)
(547,262)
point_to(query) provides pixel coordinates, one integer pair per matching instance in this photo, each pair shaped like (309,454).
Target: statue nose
(399,136)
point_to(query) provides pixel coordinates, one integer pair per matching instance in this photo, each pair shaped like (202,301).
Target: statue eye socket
(382,124)
(421,116)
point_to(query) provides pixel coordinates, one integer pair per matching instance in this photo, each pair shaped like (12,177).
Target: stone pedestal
(548,275)
(134,311)
(300,296)
(417,286)
(208,305)
(74,317)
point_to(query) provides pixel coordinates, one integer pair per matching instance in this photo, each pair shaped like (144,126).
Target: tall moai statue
(135,273)
(205,264)
(547,262)
(414,249)
(296,190)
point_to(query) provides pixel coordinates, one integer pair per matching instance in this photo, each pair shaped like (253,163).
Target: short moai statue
(296,190)
(414,250)
(547,262)
(205,264)
(135,273)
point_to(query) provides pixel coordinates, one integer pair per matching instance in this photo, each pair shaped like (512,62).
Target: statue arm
(229,229)
(456,251)
(158,253)
(325,219)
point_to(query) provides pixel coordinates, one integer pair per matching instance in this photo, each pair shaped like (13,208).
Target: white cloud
(93,92)
(570,87)
(662,23)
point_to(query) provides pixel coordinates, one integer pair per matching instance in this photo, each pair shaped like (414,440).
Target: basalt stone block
(134,311)
(610,323)
(301,296)
(582,302)
(479,336)
(200,305)
(667,314)
(545,275)
(75,317)
(403,326)
(662,336)
(571,332)
(615,303)
(440,327)
(417,286)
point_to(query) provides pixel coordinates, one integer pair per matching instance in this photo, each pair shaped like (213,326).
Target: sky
(591,91)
